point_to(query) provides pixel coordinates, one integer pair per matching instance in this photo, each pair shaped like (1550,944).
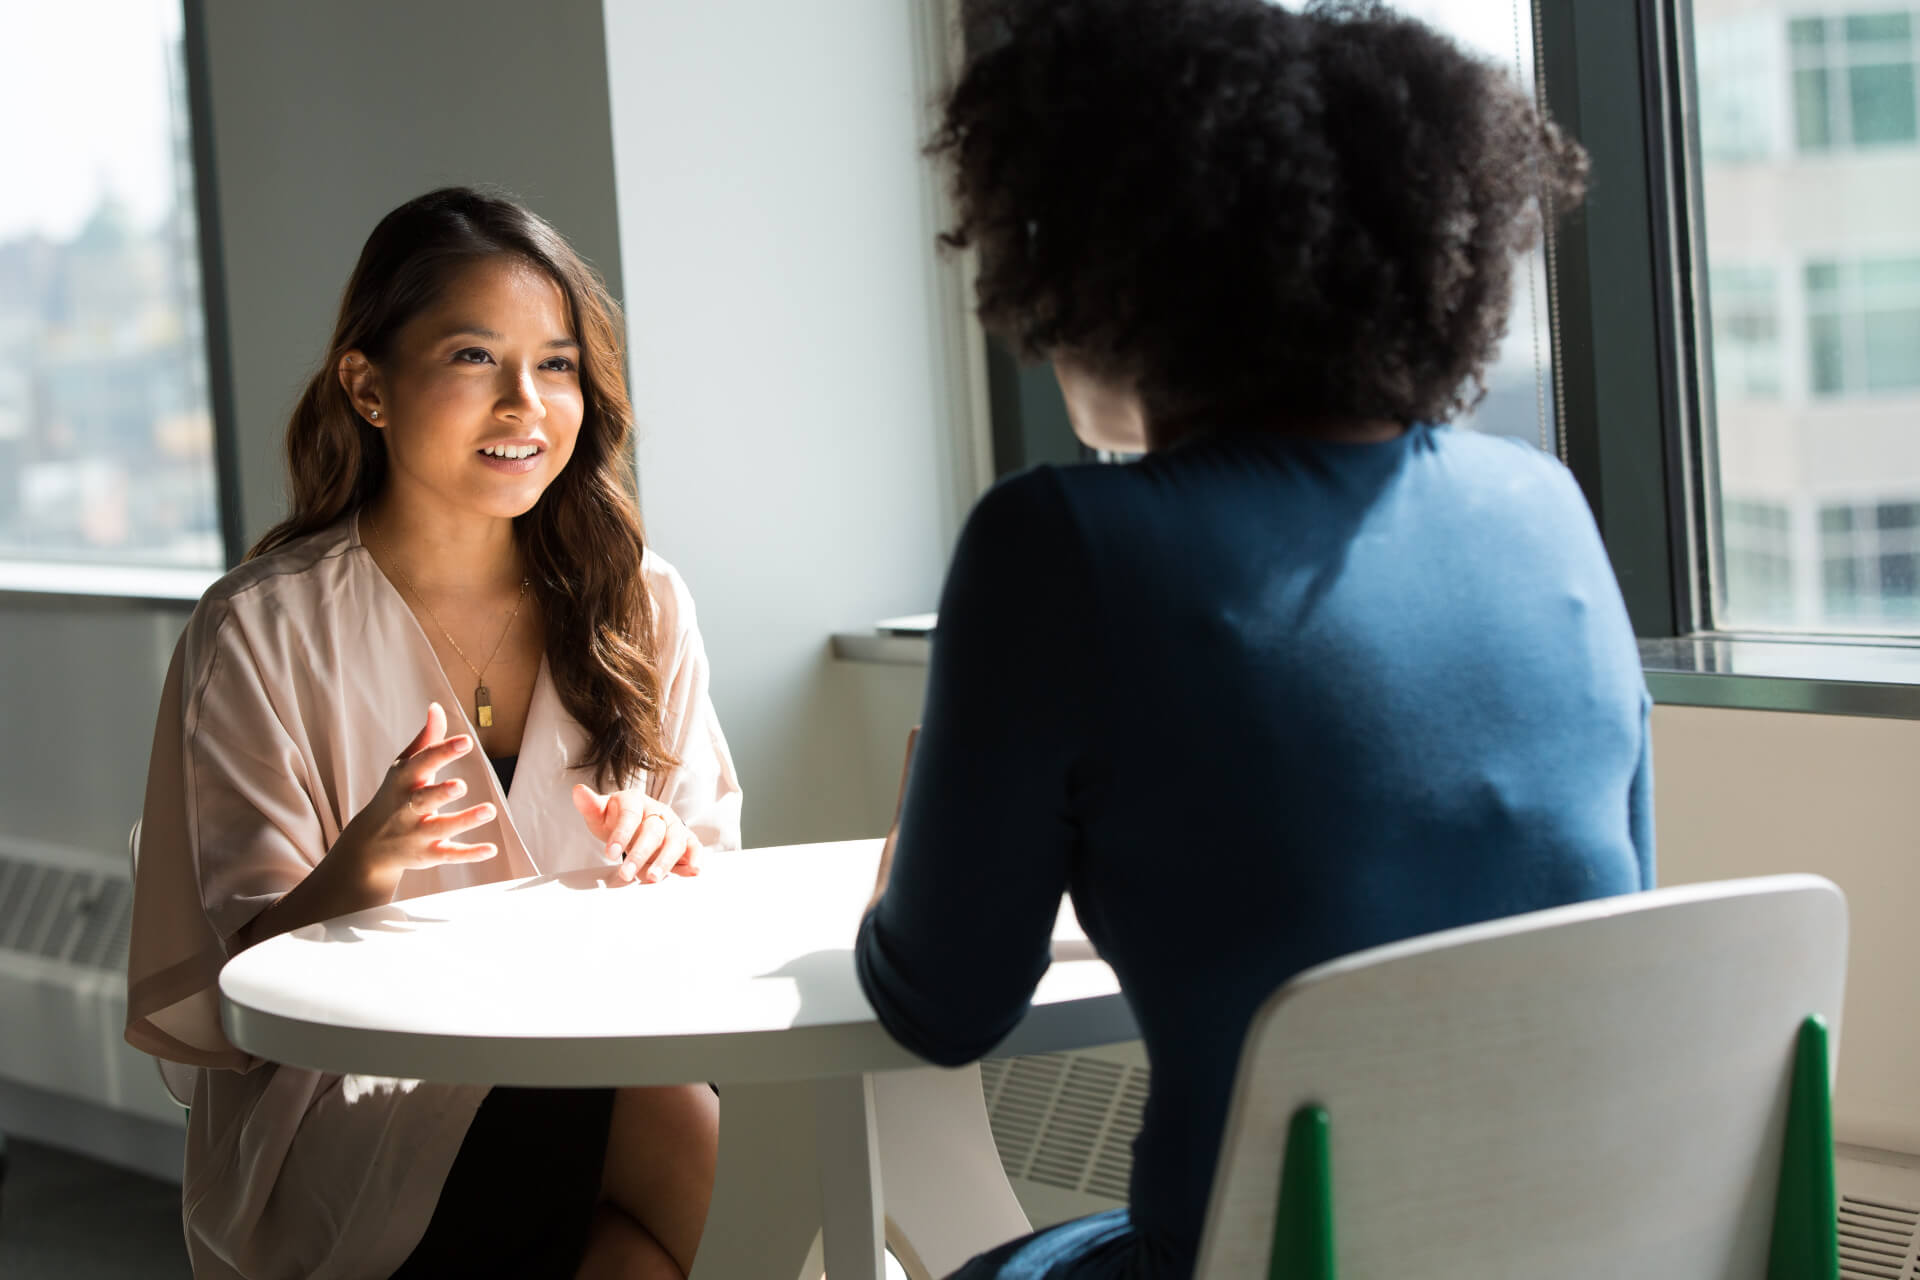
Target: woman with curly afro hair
(1317,673)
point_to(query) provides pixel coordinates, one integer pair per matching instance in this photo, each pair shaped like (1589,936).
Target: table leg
(947,1196)
(849,1150)
(765,1218)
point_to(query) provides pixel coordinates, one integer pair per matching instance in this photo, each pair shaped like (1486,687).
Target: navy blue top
(1255,702)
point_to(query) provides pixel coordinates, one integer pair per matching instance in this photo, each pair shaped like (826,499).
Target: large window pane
(104,419)
(1816,380)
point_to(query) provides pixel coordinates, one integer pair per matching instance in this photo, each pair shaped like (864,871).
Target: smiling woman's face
(479,399)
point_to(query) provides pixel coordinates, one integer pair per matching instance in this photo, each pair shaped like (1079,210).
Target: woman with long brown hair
(454,662)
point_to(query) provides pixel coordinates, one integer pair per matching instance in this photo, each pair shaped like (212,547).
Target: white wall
(325,116)
(1745,793)
(790,327)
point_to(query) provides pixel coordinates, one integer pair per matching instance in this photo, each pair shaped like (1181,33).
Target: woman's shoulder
(1495,456)
(298,577)
(301,566)
(667,591)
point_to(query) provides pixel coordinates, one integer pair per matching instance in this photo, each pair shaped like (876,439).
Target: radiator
(64,919)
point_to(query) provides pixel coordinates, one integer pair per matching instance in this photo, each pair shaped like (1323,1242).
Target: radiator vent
(1066,1120)
(1877,1239)
(76,915)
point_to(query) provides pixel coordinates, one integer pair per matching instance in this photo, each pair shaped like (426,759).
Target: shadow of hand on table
(586,878)
(393,918)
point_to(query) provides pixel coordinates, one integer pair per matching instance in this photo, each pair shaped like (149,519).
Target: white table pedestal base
(821,1171)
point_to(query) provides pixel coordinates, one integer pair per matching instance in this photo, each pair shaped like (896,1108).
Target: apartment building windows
(1758,558)
(1853,80)
(1746,332)
(1863,325)
(1870,562)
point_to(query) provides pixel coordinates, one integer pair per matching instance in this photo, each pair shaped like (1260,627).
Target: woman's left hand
(646,835)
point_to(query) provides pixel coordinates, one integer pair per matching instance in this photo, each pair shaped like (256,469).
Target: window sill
(1824,675)
(130,584)
(893,642)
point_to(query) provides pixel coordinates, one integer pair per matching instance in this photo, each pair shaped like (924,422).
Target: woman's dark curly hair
(1247,213)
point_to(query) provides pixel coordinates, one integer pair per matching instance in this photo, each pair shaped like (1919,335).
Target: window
(1863,325)
(1853,80)
(1812,460)
(1746,332)
(1759,559)
(1870,563)
(1742,59)
(105,423)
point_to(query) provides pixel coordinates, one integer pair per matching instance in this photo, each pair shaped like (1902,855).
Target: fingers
(429,760)
(624,818)
(449,851)
(441,826)
(428,799)
(592,806)
(685,854)
(431,732)
(655,848)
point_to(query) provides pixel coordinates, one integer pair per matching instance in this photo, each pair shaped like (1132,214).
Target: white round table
(742,976)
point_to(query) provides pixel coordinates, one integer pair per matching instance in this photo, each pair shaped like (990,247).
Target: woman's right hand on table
(402,828)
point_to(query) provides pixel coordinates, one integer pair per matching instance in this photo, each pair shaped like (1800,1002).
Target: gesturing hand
(646,835)
(402,828)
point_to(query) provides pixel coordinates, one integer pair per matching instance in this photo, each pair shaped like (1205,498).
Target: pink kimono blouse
(300,677)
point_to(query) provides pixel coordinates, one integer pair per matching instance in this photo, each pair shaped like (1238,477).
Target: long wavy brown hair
(582,540)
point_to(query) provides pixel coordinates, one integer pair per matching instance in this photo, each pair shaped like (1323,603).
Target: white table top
(743,974)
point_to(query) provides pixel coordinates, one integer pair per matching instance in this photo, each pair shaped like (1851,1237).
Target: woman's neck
(443,552)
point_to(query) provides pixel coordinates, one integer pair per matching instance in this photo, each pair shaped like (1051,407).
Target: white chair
(1600,1090)
(176,1076)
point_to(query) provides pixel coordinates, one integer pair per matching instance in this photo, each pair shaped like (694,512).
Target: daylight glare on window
(1809,144)
(104,413)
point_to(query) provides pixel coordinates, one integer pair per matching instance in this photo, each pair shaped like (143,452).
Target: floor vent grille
(1066,1120)
(79,916)
(1878,1239)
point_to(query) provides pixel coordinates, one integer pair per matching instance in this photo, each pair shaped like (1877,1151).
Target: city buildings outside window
(105,428)
(1759,556)
(1853,79)
(1870,561)
(1863,325)
(1746,332)
(1809,174)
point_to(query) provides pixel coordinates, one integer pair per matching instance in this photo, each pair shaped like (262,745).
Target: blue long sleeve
(950,956)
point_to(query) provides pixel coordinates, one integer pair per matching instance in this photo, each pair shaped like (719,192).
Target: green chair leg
(1806,1232)
(1303,1225)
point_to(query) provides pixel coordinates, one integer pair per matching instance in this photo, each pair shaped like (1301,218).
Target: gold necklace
(482,697)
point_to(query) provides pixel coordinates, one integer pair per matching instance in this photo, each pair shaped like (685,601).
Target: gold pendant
(483,707)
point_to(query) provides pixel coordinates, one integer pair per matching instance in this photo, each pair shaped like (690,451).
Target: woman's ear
(361,381)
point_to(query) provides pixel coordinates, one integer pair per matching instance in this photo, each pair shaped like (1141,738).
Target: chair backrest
(178,1077)
(1598,1090)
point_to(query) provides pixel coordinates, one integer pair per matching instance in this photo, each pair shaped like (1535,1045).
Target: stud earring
(374,414)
